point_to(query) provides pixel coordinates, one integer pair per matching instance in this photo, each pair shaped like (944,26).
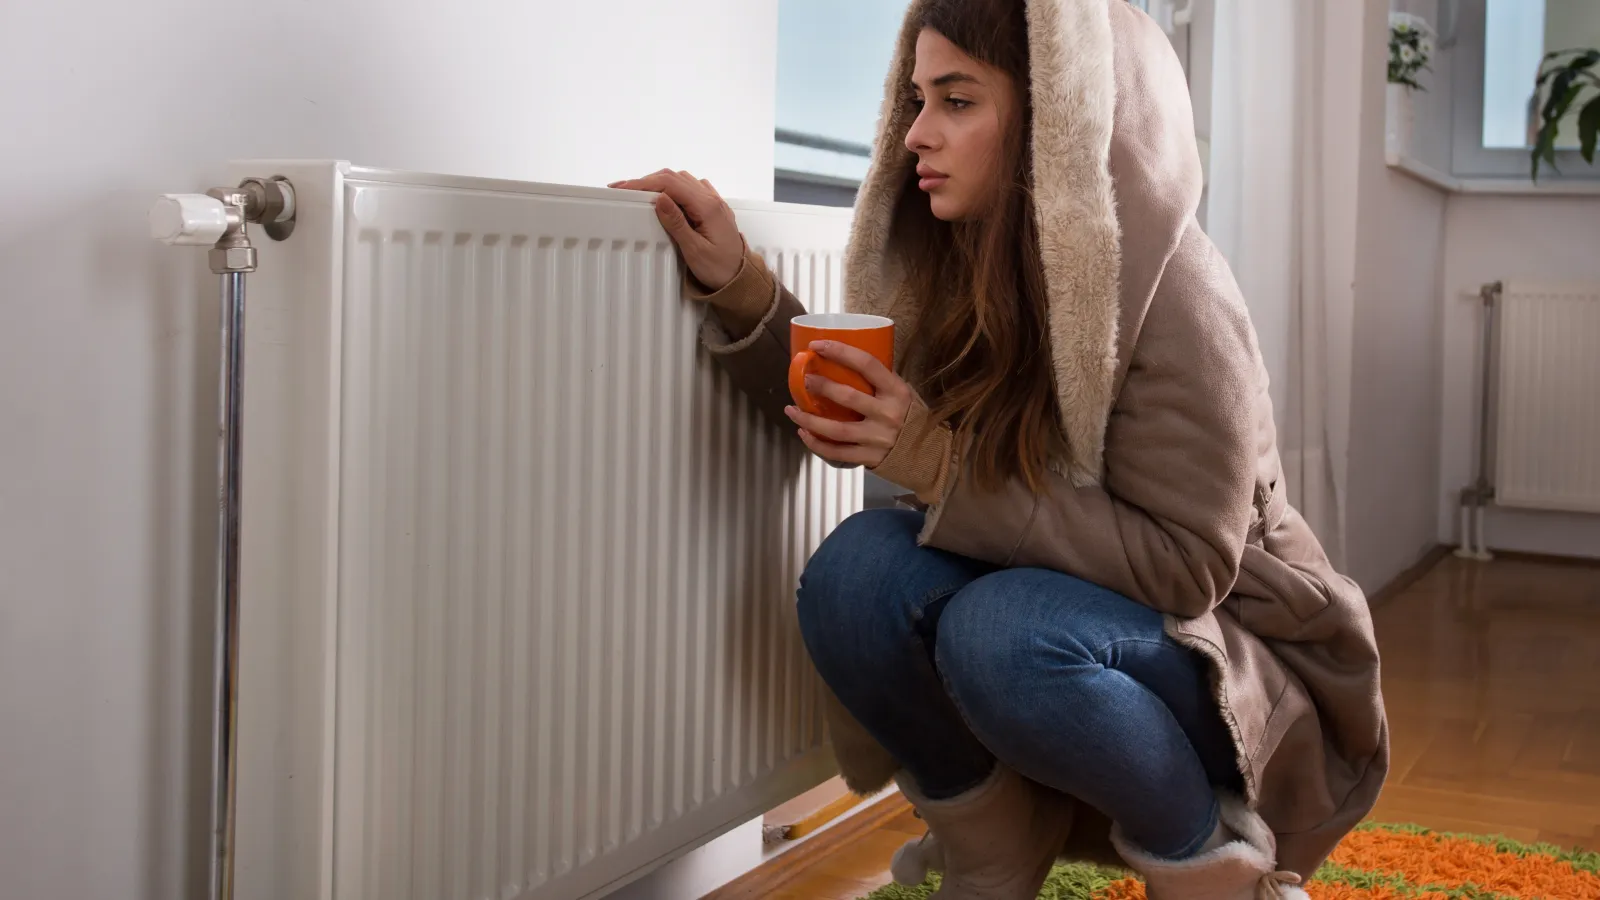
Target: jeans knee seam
(1103,653)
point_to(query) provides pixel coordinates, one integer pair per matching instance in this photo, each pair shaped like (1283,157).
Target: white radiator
(1547,447)
(518,562)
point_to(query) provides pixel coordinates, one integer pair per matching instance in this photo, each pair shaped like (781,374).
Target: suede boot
(1245,868)
(997,841)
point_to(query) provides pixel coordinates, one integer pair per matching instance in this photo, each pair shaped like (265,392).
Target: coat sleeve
(1168,522)
(747,330)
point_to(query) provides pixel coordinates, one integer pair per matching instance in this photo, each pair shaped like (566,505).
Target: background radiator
(518,562)
(1547,447)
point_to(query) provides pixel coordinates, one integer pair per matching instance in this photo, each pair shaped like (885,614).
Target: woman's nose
(920,137)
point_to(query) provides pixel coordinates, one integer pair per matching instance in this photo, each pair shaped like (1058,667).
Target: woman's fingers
(829,429)
(699,222)
(637,184)
(682,232)
(677,224)
(684,189)
(874,438)
(848,454)
(845,395)
(655,181)
(885,382)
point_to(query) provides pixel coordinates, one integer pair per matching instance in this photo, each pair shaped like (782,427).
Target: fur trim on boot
(912,862)
(997,841)
(1243,869)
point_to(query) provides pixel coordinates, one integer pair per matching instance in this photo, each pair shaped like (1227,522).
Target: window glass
(832,58)
(1517,35)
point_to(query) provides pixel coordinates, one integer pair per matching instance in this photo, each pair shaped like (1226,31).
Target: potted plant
(1571,77)
(1410,51)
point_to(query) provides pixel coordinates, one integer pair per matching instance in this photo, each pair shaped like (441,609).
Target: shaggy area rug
(1380,862)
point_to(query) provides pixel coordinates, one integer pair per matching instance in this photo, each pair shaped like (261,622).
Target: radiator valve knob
(194,220)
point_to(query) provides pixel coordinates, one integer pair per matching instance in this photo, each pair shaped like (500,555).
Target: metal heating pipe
(1474,499)
(220,218)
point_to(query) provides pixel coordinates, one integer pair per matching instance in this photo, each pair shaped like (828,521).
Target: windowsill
(1451,184)
(1423,172)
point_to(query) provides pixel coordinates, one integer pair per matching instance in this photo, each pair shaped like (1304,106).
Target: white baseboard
(702,871)
(779,848)
(1545,533)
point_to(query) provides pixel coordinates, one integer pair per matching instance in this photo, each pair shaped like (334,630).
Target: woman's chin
(946,208)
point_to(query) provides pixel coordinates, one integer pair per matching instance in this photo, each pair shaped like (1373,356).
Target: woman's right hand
(699,221)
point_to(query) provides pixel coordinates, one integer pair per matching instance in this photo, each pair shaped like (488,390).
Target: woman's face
(964,108)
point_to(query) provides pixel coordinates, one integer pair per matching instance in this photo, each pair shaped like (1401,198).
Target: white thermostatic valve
(188,219)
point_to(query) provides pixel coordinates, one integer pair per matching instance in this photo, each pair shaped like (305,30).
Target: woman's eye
(955,103)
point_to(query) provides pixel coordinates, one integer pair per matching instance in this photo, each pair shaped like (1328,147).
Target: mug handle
(797,381)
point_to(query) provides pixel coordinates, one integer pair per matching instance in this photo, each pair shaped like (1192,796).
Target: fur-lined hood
(1116,176)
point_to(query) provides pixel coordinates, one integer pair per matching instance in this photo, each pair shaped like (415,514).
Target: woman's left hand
(865,443)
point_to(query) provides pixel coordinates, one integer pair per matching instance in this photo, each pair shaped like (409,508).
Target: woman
(1105,621)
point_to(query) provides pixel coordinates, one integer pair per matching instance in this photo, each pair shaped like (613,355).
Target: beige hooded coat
(1173,494)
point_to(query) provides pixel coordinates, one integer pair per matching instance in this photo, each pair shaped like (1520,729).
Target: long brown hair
(982,342)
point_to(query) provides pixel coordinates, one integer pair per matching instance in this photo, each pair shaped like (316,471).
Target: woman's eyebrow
(951,78)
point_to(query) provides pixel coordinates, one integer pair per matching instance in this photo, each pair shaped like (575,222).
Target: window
(1501,47)
(832,58)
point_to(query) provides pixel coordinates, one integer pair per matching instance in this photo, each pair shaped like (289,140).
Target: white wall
(1394,397)
(1550,239)
(1395,401)
(107,342)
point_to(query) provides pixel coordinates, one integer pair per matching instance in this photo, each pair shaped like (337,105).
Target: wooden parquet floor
(1492,680)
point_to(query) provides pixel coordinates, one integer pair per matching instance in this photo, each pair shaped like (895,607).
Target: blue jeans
(951,664)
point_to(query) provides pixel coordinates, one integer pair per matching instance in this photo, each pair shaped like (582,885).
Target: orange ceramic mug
(874,334)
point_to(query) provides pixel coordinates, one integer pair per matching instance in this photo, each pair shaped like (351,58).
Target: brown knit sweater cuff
(920,459)
(743,303)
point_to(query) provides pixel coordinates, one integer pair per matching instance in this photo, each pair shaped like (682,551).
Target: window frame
(820,189)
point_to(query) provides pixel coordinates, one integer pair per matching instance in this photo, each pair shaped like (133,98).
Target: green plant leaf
(1560,89)
(1569,51)
(1573,93)
(1589,129)
(1568,73)
(1544,147)
(1585,59)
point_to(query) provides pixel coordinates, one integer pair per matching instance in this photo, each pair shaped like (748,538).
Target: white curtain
(1284,125)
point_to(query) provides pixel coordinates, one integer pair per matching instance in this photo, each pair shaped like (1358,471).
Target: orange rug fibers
(1381,862)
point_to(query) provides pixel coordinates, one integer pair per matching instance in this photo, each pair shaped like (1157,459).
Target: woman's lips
(931,178)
